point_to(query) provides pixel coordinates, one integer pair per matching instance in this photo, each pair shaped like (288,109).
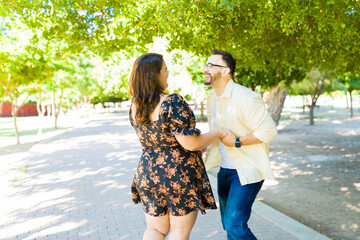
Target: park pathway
(77,186)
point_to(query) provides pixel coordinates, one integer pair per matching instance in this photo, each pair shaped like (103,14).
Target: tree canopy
(272,37)
(273,41)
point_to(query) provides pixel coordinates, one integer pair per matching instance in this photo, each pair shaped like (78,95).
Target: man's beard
(208,81)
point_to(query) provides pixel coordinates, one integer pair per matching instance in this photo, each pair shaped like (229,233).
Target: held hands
(228,139)
(223,133)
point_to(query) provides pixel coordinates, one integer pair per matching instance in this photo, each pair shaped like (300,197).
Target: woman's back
(170,177)
(171,114)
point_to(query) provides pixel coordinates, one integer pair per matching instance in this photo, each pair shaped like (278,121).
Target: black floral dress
(169,178)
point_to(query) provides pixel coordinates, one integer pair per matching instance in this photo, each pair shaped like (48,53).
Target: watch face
(237,143)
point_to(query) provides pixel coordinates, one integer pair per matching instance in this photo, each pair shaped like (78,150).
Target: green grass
(10,132)
(6,129)
(6,120)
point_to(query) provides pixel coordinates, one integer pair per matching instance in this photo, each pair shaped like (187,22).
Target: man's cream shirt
(243,112)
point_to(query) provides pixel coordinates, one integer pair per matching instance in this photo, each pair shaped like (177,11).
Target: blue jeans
(235,204)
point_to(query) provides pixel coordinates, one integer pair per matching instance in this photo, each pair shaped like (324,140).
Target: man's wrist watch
(237,143)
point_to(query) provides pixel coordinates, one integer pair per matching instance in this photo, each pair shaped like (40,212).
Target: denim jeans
(235,204)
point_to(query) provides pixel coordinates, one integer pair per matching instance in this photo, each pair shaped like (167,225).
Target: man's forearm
(229,140)
(249,140)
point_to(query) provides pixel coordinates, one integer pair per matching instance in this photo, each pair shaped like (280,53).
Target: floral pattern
(170,178)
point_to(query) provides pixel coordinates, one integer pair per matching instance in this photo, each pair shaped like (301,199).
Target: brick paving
(77,186)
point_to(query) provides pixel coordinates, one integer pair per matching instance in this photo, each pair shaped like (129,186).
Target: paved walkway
(77,186)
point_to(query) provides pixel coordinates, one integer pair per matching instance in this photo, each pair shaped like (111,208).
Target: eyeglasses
(210,65)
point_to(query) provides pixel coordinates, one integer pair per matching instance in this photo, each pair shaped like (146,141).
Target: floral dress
(169,178)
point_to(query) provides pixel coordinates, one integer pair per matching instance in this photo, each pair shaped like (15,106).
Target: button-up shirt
(243,112)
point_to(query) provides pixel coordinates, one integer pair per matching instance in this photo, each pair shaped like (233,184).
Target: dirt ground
(317,175)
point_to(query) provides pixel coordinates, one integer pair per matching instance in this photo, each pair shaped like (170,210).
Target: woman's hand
(228,139)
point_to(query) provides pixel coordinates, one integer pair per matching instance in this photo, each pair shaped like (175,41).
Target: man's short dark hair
(228,58)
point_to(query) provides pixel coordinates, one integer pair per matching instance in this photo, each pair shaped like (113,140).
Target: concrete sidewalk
(77,186)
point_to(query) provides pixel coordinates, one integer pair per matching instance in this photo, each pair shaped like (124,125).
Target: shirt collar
(228,89)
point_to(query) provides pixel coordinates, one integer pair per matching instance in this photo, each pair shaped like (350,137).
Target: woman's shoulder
(174,97)
(174,102)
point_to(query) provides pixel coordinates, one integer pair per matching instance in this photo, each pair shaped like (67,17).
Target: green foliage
(350,81)
(112,79)
(104,26)
(195,67)
(21,63)
(310,83)
(267,35)
(269,78)
(261,34)
(273,41)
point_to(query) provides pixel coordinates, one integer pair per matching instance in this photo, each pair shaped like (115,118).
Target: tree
(265,36)
(102,26)
(21,64)
(112,79)
(21,73)
(313,85)
(274,36)
(351,82)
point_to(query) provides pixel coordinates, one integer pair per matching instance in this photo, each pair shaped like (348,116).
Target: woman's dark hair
(145,86)
(228,58)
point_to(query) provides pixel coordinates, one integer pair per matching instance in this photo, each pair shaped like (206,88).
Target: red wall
(25,110)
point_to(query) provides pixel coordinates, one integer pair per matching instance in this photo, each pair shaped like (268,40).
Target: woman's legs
(181,226)
(157,227)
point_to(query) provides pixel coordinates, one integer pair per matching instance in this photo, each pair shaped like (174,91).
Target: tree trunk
(311,113)
(317,92)
(14,111)
(304,103)
(347,101)
(16,130)
(351,105)
(202,116)
(274,100)
(54,109)
(14,108)
(41,112)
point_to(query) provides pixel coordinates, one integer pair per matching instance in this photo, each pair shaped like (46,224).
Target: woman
(170,181)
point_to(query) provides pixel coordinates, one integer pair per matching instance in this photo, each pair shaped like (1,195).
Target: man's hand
(223,133)
(229,139)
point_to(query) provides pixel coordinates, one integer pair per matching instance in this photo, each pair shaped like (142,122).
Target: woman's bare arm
(199,142)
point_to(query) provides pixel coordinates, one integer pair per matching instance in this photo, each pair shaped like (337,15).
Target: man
(243,155)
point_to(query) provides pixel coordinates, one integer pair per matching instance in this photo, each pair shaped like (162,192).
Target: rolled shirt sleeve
(258,118)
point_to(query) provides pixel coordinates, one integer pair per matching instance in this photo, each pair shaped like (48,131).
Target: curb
(286,223)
